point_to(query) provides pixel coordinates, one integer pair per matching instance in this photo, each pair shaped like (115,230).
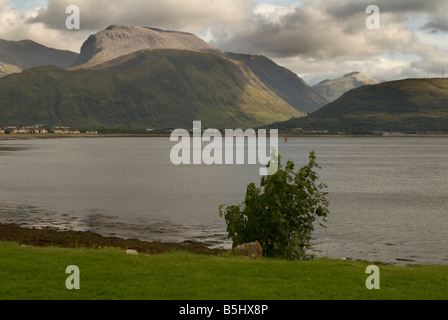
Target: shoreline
(7,137)
(48,237)
(58,136)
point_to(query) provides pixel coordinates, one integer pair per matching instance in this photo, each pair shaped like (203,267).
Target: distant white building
(37,129)
(21,130)
(62,130)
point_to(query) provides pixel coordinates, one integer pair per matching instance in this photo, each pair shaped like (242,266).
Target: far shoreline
(60,136)
(6,137)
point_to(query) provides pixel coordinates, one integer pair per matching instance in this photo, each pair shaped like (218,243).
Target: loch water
(388,195)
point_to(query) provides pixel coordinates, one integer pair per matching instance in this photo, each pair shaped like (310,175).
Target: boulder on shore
(252,250)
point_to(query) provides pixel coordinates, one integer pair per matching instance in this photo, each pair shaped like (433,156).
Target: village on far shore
(41,129)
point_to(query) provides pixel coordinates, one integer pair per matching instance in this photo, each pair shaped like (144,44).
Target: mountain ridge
(332,89)
(409,105)
(283,82)
(16,56)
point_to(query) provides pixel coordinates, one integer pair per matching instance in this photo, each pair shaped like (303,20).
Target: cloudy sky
(317,39)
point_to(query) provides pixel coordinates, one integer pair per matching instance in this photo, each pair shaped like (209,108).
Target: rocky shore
(85,239)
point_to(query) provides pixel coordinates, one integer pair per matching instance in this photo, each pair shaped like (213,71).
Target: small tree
(280,214)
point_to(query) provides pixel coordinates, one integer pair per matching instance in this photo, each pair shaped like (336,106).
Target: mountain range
(139,77)
(147,77)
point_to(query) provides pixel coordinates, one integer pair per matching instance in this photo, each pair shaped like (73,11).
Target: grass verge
(36,273)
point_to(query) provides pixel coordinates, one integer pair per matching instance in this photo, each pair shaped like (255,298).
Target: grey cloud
(174,14)
(330,29)
(397,10)
(348,8)
(437,25)
(311,31)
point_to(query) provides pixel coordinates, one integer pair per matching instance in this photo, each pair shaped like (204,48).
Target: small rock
(252,250)
(132,252)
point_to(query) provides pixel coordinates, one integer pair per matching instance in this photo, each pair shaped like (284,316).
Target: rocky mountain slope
(334,89)
(120,40)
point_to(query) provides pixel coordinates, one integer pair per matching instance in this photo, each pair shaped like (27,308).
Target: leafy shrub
(281,212)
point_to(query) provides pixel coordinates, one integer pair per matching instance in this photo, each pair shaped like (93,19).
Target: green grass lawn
(39,273)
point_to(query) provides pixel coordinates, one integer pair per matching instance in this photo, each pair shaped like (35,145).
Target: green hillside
(412,105)
(160,88)
(285,83)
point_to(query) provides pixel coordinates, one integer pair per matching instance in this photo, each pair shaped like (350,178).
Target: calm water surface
(388,196)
